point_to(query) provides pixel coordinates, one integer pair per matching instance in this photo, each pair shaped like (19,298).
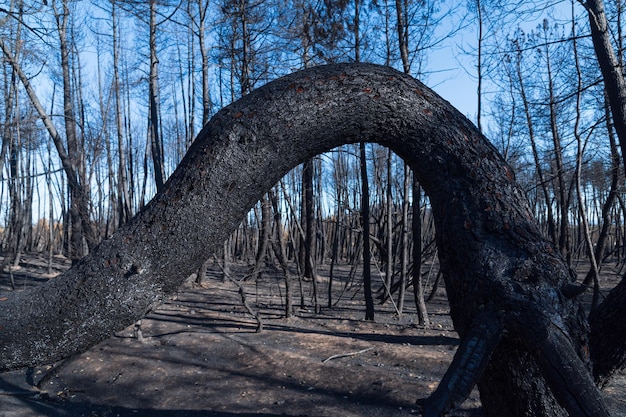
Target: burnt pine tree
(524,337)
(612,310)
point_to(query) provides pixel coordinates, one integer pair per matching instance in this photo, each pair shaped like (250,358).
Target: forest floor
(200,356)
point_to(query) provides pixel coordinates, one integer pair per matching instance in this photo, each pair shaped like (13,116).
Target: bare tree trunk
(607,207)
(124,206)
(10,95)
(299,232)
(133,160)
(403,36)
(404,257)
(308,220)
(523,334)
(561,185)
(80,203)
(265,230)
(206,95)
(281,254)
(16,184)
(189,105)
(582,210)
(418,285)
(334,254)
(11,146)
(51,222)
(74,150)
(543,182)
(246,85)
(479,66)
(365,230)
(607,342)
(612,70)
(308,224)
(608,339)
(339,175)
(156,145)
(79,188)
(389,225)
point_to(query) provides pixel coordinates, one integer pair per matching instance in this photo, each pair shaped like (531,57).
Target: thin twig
(242,294)
(345,355)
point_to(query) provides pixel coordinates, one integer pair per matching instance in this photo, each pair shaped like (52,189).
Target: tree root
(469,363)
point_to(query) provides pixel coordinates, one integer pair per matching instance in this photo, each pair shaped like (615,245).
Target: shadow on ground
(200,356)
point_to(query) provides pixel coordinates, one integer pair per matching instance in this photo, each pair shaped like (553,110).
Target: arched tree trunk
(510,292)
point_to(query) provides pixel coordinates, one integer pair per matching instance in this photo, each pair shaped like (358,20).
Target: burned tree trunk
(511,294)
(608,335)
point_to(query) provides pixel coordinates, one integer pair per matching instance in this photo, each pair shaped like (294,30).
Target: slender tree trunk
(418,285)
(206,95)
(357,31)
(543,183)
(308,224)
(265,230)
(404,262)
(561,185)
(79,191)
(51,222)
(10,94)
(308,220)
(16,191)
(134,202)
(11,147)
(418,292)
(246,85)
(389,225)
(612,70)
(299,232)
(582,210)
(124,207)
(334,254)
(479,66)
(365,228)
(281,254)
(403,37)
(339,174)
(608,339)
(190,119)
(156,145)
(607,207)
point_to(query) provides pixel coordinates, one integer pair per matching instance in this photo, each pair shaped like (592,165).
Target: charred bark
(608,335)
(416,278)
(612,69)
(510,291)
(265,229)
(365,228)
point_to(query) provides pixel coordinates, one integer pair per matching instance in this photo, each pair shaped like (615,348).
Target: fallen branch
(345,355)
(242,293)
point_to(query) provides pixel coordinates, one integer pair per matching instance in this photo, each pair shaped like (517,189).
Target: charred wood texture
(508,288)
(608,335)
